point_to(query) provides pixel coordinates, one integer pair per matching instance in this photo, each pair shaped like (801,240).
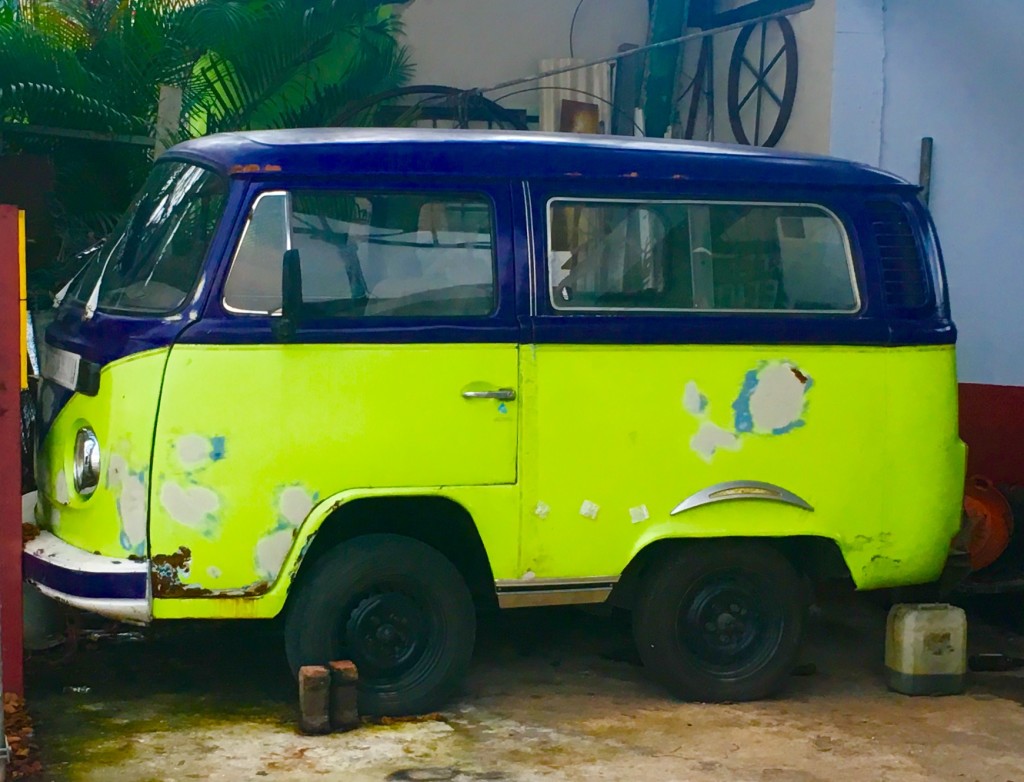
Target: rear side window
(904,280)
(368,254)
(685,255)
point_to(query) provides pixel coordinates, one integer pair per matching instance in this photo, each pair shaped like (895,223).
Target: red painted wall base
(992,425)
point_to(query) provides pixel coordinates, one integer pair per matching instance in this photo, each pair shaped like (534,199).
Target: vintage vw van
(379,380)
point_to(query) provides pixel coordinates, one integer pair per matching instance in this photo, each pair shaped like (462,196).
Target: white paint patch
(131,501)
(213,571)
(60,488)
(529,575)
(294,505)
(778,400)
(271,552)
(693,399)
(710,437)
(132,507)
(116,470)
(194,506)
(542,510)
(638,514)
(589,509)
(192,450)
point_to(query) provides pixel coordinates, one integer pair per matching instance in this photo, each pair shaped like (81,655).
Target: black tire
(720,621)
(397,608)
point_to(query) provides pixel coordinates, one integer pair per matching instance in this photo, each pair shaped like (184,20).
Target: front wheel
(720,621)
(398,609)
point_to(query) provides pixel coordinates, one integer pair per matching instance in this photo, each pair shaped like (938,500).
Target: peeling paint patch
(542,510)
(529,575)
(589,509)
(771,399)
(213,571)
(694,402)
(60,488)
(271,552)
(638,514)
(294,504)
(217,448)
(193,506)
(710,437)
(130,489)
(195,450)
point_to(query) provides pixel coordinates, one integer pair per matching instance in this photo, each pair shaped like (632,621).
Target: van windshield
(151,261)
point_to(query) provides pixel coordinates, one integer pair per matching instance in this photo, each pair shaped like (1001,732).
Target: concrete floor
(553,695)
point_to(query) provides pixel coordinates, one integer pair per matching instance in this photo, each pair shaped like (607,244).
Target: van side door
(400,377)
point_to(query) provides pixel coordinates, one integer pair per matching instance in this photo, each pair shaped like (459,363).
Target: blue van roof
(517,154)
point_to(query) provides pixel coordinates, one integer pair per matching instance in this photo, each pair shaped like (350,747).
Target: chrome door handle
(501,393)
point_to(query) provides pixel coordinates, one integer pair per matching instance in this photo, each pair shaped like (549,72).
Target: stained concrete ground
(553,695)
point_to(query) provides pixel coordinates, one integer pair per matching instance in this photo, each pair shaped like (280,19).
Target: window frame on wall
(501,300)
(545,247)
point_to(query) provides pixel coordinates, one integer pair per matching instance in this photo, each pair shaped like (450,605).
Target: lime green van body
(547,446)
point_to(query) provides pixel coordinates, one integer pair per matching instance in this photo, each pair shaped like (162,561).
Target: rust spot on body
(167,572)
(799,375)
(29,532)
(256,589)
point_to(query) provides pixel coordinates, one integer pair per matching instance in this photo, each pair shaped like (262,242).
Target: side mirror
(291,296)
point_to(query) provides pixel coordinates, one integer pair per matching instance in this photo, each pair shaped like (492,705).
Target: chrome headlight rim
(87,462)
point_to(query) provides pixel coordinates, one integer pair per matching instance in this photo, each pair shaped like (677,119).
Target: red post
(11,374)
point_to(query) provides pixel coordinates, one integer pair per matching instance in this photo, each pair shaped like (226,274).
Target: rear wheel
(398,609)
(720,621)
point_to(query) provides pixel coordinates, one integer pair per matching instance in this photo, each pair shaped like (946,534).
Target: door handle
(501,393)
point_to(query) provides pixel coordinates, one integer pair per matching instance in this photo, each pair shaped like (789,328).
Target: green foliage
(97,66)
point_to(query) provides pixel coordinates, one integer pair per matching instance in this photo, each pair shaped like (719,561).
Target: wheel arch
(814,557)
(431,518)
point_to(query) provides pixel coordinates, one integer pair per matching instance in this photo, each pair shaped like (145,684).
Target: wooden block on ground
(314,699)
(344,690)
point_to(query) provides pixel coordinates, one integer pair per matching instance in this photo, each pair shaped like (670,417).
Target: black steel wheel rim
(387,632)
(728,624)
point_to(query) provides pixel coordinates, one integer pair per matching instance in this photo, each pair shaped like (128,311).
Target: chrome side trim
(553,597)
(517,593)
(741,490)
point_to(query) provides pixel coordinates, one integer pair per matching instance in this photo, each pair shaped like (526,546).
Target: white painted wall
(476,43)
(953,70)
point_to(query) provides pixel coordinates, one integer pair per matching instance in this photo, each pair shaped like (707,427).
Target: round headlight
(87,461)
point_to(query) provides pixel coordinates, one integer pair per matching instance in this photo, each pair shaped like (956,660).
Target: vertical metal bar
(924,178)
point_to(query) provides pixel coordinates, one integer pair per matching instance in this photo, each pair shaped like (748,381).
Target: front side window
(368,254)
(675,255)
(151,262)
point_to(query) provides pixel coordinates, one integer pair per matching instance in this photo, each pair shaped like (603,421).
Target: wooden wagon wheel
(757,58)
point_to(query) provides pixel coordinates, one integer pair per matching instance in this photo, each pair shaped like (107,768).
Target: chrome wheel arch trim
(741,490)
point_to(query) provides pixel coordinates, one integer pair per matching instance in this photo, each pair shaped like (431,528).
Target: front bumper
(113,587)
